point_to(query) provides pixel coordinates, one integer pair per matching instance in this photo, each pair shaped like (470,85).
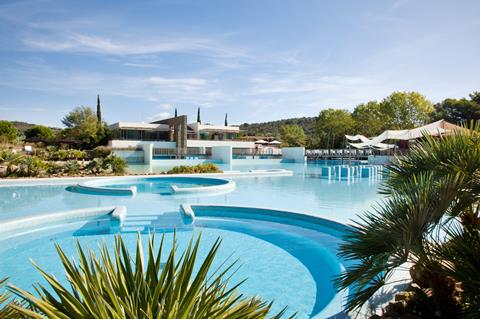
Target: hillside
(272,129)
(23,126)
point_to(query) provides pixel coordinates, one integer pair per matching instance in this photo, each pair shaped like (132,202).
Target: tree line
(83,128)
(399,110)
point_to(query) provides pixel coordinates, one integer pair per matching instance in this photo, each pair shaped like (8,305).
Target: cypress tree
(99,110)
(198,116)
(226,119)
(176,114)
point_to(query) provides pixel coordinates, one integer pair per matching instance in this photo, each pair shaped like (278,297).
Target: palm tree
(435,185)
(125,286)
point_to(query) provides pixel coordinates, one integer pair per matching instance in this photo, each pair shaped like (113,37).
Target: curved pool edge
(334,309)
(99,190)
(227,187)
(12,227)
(97,187)
(72,180)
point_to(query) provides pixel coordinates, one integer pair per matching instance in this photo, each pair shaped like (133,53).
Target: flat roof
(140,126)
(214,128)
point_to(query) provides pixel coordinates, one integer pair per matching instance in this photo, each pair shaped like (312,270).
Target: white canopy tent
(436,128)
(275,142)
(261,142)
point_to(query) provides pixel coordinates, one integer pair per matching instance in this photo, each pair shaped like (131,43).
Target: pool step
(165,221)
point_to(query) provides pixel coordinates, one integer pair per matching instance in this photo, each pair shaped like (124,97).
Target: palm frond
(120,285)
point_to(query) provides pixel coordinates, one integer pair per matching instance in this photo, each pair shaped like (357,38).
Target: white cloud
(166,106)
(74,42)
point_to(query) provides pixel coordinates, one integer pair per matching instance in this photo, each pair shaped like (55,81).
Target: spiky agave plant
(437,182)
(6,302)
(118,286)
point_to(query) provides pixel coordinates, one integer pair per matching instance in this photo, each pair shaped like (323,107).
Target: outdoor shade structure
(437,128)
(261,142)
(275,142)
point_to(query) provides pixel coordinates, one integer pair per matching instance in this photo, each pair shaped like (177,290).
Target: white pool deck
(76,180)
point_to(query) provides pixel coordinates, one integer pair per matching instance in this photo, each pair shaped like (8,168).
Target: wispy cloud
(169,43)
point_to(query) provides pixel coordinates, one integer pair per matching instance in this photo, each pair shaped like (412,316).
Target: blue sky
(257,60)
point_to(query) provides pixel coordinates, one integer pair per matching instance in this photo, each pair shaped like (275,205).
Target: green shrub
(30,166)
(100,152)
(76,154)
(195,169)
(54,168)
(145,286)
(117,164)
(95,166)
(8,132)
(72,167)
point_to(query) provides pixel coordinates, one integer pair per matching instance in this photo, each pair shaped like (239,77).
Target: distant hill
(23,126)
(272,129)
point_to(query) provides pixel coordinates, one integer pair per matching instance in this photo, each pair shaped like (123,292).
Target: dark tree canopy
(459,111)
(39,132)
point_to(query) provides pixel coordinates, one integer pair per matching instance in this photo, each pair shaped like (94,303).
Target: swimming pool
(288,262)
(161,185)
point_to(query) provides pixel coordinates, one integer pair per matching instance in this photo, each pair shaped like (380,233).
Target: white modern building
(173,138)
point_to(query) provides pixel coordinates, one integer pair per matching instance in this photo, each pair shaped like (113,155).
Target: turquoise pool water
(305,191)
(289,264)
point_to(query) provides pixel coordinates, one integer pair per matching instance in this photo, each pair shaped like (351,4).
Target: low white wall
(293,154)
(147,153)
(222,153)
(131,156)
(136,144)
(209,143)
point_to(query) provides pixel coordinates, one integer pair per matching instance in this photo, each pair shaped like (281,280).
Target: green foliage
(119,285)
(405,110)
(95,166)
(6,301)
(272,129)
(117,164)
(100,152)
(292,135)
(54,168)
(53,154)
(459,111)
(195,169)
(30,166)
(199,120)
(461,262)
(369,119)
(39,132)
(8,132)
(72,167)
(331,127)
(82,125)
(436,185)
